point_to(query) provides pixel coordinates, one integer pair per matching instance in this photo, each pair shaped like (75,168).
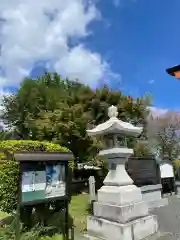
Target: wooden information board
(43,178)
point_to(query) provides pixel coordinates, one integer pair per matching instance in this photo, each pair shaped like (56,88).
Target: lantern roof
(115,126)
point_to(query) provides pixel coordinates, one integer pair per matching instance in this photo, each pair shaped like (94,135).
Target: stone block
(152,195)
(145,227)
(134,230)
(119,195)
(151,192)
(121,214)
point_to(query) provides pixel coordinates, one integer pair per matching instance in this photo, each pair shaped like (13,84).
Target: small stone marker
(92,192)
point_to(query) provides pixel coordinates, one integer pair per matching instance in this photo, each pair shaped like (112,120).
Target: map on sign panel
(38,185)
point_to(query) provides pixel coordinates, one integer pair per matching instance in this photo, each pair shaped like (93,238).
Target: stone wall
(143,171)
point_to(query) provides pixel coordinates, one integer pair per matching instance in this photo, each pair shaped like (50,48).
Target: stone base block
(134,230)
(156,236)
(151,194)
(119,195)
(121,214)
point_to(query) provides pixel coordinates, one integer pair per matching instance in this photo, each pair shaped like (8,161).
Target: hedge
(9,169)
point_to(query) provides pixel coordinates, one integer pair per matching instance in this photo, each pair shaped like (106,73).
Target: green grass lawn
(79,211)
(58,237)
(3,215)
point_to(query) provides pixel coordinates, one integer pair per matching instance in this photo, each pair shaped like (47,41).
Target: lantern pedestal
(120,212)
(106,229)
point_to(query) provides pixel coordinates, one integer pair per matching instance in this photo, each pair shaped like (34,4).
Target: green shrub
(176,165)
(37,233)
(9,169)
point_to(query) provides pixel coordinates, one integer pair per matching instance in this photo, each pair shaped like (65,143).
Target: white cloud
(32,31)
(151,81)
(116,3)
(156,112)
(2,81)
(74,64)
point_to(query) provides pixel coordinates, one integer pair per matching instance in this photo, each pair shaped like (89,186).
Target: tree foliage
(141,149)
(51,108)
(5,135)
(163,133)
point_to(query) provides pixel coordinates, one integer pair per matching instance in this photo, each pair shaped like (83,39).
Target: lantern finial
(112,111)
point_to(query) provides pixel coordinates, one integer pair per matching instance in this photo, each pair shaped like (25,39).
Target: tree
(55,109)
(67,126)
(163,134)
(142,149)
(5,134)
(32,97)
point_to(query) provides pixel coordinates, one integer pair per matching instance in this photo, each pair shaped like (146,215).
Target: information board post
(67,206)
(17,221)
(43,178)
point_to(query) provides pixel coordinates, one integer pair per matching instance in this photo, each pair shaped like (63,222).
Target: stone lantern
(120,212)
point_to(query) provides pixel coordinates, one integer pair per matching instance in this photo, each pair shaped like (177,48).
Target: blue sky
(127,44)
(142,40)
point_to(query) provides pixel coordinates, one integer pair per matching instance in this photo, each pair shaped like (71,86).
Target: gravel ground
(169,221)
